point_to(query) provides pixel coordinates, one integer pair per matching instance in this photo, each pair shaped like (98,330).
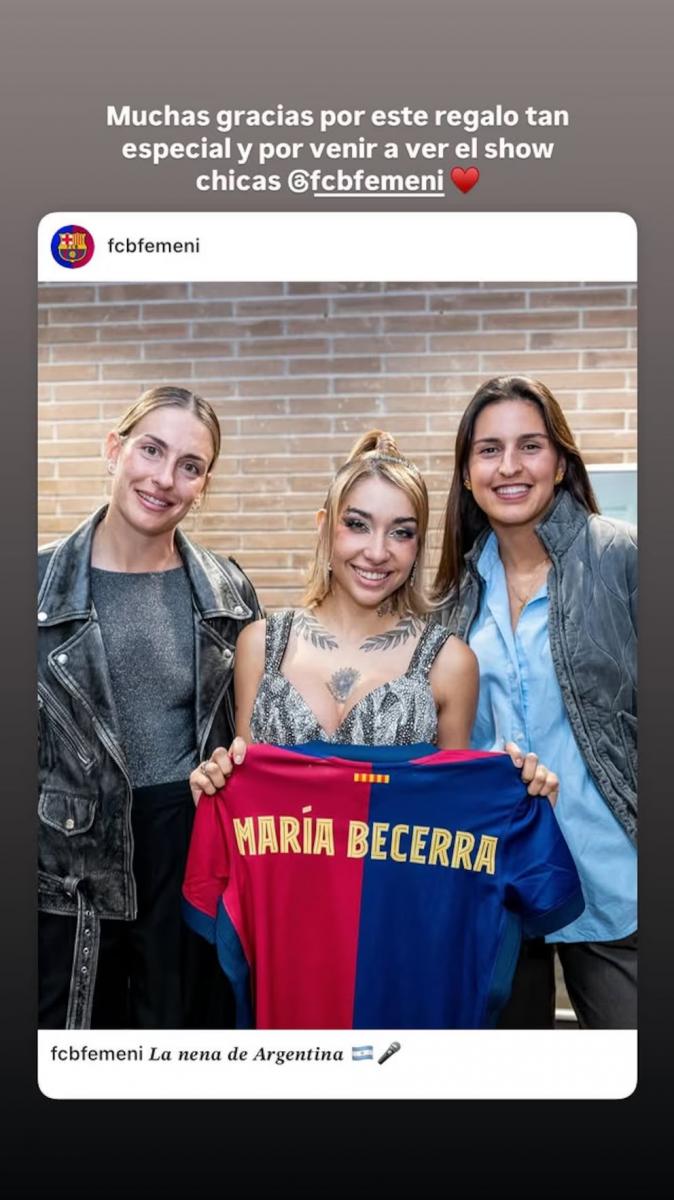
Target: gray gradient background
(610,64)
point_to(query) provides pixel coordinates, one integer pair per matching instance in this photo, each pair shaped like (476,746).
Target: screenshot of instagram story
(336,653)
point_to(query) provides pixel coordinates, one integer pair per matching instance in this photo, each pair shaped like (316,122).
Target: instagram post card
(337,346)
(360,490)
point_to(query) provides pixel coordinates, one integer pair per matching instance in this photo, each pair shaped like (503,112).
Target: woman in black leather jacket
(544,590)
(136,630)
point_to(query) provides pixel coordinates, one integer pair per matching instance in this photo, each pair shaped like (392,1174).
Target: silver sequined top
(400,712)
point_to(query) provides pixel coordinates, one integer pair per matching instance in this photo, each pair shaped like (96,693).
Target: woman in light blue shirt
(543,589)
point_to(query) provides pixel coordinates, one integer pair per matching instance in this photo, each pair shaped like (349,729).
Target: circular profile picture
(72,246)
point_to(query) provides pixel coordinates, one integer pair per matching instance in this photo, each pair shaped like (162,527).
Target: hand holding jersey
(351,887)
(319,913)
(212,775)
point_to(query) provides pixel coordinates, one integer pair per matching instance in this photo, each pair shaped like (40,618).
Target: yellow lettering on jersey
(358,836)
(307,840)
(441,840)
(419,833)
(396,834)
(245,835)
(379,831)
(324,842)
(463,844)
(289,828)
(486,854)
(266,836)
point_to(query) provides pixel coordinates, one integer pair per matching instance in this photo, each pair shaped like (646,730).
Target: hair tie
(393,458)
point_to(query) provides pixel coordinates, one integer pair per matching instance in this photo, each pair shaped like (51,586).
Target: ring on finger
(204,765)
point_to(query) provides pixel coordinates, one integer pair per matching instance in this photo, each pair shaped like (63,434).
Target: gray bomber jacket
(84,807)
(592,587)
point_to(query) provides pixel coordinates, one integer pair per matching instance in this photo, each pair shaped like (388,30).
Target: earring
(196,504)
(466,484)
(413,574)
(112,467)
(559,477)
(329,568)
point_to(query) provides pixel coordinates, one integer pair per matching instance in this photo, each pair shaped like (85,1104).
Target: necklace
(536,577)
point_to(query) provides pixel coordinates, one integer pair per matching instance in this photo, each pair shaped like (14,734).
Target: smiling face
(161,468)
(513,465)
(376,542)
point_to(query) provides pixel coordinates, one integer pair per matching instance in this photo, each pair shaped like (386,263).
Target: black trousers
(600,977)
(154,972)
(532,998)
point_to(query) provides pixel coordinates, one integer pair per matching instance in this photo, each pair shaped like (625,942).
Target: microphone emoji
(393,1049)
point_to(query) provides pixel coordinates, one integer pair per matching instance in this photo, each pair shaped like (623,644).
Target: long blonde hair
(375,453)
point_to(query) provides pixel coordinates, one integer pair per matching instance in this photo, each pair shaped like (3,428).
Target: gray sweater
(148,635)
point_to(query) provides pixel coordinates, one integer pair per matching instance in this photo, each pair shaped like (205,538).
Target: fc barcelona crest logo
(72,246)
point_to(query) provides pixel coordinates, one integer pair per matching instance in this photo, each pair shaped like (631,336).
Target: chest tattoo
(406,628)
(310,628)
(342,683)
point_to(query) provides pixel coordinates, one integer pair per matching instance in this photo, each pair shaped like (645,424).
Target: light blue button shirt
(521,701)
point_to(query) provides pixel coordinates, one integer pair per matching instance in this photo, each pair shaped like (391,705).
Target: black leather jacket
(84,808)
(592,588)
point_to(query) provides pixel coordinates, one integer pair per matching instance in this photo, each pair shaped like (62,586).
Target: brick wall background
(296,371)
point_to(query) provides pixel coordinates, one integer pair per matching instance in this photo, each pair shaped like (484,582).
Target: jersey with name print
(386,888)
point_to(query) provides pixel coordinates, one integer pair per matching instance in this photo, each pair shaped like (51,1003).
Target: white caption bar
(316,1064)
(402,246)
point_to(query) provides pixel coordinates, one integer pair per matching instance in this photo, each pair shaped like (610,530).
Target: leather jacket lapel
(214,663)
(81,668)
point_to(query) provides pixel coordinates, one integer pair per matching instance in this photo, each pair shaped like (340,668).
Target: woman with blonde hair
(357,662)
(359,665)
(136,632)
(360,662)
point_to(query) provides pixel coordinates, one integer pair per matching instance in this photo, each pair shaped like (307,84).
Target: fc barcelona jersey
(374,888)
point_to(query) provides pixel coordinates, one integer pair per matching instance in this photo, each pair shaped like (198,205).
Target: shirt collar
(489,557)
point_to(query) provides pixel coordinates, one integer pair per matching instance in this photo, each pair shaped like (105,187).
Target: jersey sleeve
(207,868)
(542,883)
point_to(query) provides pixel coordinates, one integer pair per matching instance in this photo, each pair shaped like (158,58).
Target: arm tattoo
(406,628)
(311,630)
(342,683)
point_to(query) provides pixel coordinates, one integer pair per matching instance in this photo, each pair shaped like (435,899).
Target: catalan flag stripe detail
(365,777)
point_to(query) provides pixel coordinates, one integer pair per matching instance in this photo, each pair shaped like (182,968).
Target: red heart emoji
(464,178)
